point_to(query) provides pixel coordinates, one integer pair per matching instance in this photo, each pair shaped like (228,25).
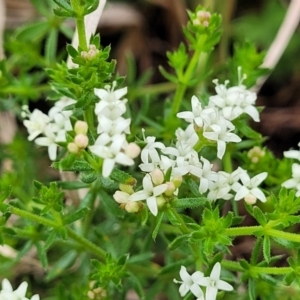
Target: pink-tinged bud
(202,18)
(92,47)
(81,127)
(81,141)
(160,201)
(177,181)
(171,189)
(250,199)
(84,54)
(121,197)
(132,150)
(157,177)
(126,188)
(73,148)
(132,207)
(92,53)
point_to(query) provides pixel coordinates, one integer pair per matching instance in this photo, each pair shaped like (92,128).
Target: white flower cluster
(212,283)
(52,127)
(213,122)
(294,182)
(111,144)
(7,292)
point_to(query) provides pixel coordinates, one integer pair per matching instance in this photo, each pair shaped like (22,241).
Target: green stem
(87,244)
(79,10)
(293,237)
(227,162)
(90,214)
(89,118)
(240,231)
(153,89)
(72,234)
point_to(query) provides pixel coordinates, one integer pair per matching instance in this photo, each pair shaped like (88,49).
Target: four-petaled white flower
(295,181)
(149,193)
(250,186)
(7,292)
(213,283)
(189,282)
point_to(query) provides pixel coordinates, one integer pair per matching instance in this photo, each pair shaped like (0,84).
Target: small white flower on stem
(250,186)
(295,181)
(220,133)
(112,154)
(213,283)
(7,292)
(149,193)
(295,154)
(189,282)
(207,175)
(36,124)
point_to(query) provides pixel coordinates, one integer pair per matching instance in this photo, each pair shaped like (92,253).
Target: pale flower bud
(255,154)
(132,150)
(250,199)
(126,188)
(203,18)
(160,201)
(81,127)
(121,197)
(84,54)
(92,47)
(177,181)
(73,148)
(157,177)
(81,141)
(171,188)
(132,207)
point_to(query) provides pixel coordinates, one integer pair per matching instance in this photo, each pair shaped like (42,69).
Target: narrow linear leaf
(256,251)
(77,215)
(71,185)
(267,248)
(42,255)
(259,216)
(251,289)
(189,202)
(178,241)
(159,219)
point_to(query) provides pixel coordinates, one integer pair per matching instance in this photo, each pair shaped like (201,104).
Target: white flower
(213,283)
(250,186)
(218,190)
(36,124)
(150,150)
(112,127)
(220,133)
(7,292)
(188,282)
(149,193)
(295,181)
(207,175)
(49,141)
(198,115)
(187,136)
(112,154)
(292,153)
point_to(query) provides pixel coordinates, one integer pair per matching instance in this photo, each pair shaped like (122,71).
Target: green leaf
(137,286)
(33,32)
(61,265)
(172,217)
(50,240)
(256,251)
(194,188)
(167,75)
(5,193)
(189,202)
(72,185)
(76,166)
(88,177)
(72,51)
(136,259)
(77,215)
(289,278)
(159,219)
(51,46)
(267,248)
(178,241)
(122,177)
(259,216)
(251,289)
(42,255)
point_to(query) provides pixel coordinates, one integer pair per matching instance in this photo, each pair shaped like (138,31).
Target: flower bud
(132,207)
(160,201)
(92,47)
(157,177)
(84,54)
(73,148)
(171,189)
(81,127)
(177,181)
(132,150)
(250,199)
(255,154)
(121,197)
(126,188)
(81,141)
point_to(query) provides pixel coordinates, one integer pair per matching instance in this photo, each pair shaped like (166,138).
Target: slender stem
(90,214)
(89,118)
(87,244)
(240,231)
(227,162)
(78,9)
(293,237)
(72,234)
